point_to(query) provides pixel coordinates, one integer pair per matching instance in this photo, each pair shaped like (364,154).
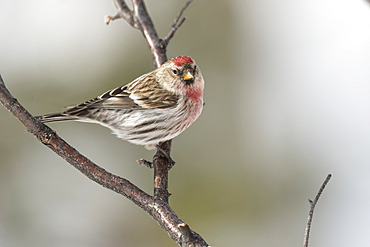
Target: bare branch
(157,206)
(176,24)
(310,214)
(142,17)
(49,138)
(161,161)
(124,12)
(161,167)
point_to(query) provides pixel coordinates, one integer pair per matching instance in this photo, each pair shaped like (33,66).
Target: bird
(152,109)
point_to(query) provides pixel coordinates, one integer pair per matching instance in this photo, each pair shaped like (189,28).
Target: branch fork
(157,205)
(133,17)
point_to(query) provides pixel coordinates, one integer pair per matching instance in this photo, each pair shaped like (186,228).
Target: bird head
(185,77)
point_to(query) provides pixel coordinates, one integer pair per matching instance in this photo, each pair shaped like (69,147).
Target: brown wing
(113,99)
(143,93)
(147,93)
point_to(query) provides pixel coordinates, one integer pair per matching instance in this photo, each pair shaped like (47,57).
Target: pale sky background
(287,102)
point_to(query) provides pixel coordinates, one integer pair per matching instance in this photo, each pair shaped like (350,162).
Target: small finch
(153,108)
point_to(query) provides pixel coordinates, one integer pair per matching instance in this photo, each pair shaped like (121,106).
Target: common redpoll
(153,108)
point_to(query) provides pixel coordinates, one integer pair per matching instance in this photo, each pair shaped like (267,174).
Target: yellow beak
(188,76)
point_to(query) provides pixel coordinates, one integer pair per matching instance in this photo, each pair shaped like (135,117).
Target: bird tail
(56,117)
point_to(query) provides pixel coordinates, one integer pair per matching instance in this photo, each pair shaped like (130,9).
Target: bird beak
(188,76)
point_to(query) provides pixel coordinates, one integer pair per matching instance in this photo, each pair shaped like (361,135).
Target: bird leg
(166,155)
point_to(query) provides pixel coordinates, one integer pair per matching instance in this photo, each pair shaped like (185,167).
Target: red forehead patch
(179,61)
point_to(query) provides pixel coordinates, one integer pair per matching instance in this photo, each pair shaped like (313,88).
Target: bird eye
(174,71)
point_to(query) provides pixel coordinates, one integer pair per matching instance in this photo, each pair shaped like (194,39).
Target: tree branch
(176,24)
(124,12)
(312,208)
(49,138)
(157,206)
(160,163)
(142,17)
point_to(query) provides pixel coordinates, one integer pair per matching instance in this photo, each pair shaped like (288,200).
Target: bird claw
(171,162)
(164,154)
(145,163)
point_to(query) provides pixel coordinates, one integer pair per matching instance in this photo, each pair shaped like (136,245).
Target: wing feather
(142,93)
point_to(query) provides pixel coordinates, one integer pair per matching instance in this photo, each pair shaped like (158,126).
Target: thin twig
(124,12)
(312,208)
(176,24)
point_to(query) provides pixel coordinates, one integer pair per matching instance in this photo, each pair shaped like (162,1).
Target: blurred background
(287,102)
